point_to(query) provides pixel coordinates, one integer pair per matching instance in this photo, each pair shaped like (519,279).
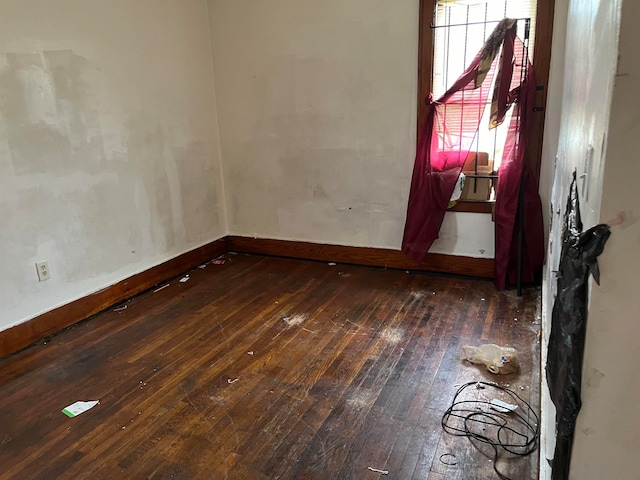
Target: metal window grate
(460,28)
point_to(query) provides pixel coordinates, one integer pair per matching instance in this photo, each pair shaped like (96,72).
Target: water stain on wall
(48,106)
(155,194)
(199,204)
(146,149)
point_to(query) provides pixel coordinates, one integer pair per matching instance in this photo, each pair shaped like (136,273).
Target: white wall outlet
(43,271)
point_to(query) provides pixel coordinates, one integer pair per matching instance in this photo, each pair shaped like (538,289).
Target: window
(451,34)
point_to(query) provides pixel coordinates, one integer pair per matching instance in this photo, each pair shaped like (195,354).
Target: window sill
(473,206)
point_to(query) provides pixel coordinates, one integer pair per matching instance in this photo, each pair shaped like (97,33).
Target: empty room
(351,239)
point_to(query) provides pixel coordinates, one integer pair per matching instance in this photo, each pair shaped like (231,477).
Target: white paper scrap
(377,470)
(502,407)
(77,408)
(184,279)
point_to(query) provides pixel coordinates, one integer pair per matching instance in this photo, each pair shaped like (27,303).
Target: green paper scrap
(79,407)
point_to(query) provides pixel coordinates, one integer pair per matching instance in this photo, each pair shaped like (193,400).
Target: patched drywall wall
(584,143)
(109,155)
(317,110)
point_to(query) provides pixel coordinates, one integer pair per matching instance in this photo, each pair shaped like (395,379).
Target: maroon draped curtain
(449,131)
(512,172)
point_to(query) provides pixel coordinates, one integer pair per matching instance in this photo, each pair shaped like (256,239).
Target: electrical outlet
(43,271)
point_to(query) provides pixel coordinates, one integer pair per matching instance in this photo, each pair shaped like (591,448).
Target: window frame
(541,64)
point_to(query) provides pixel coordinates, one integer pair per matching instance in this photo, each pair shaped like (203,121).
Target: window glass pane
(463,27)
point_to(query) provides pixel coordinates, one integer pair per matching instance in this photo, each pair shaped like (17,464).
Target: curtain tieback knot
(429,100)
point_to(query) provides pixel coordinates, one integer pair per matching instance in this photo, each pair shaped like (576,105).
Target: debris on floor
(511,429)
(502,407)
(392,335)
(295,320)
(184,279)
(203,266)
(497,359)
(332,264)
(377,470)
(292,321)
(218,261)
(79,407)
(448,459)
(120,308)
(250,352)
(229,381)
(161,288)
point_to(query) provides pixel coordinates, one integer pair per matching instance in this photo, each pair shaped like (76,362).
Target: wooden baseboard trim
(22,335)
(376,257)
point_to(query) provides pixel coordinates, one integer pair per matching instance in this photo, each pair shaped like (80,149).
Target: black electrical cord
(511,431)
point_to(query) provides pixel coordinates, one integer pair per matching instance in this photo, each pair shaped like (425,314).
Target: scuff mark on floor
(295,320)
(392,335)
(217,400)
(360,399)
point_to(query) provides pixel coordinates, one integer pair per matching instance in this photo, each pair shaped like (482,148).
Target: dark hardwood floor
(266,368)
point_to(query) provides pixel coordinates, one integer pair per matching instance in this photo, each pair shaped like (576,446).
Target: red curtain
(450,129)
(512,172)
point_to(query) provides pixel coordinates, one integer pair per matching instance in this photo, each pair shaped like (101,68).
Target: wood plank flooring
(267,368)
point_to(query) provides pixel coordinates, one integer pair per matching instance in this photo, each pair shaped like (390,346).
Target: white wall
(317,109)
(553,118)
(604,440)
(109,155)
(607,442)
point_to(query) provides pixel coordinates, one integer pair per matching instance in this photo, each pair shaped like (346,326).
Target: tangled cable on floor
(515,432)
